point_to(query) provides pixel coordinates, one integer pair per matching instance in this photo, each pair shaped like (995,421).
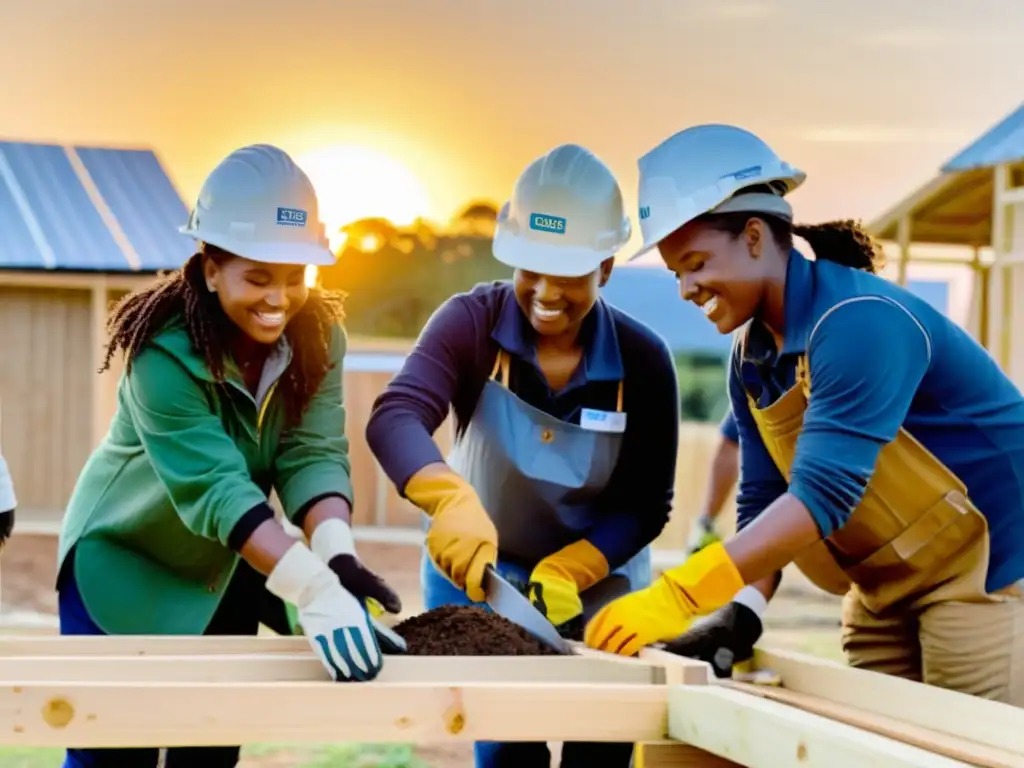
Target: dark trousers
(244,604)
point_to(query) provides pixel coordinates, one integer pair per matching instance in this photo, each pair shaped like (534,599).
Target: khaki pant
(974,648)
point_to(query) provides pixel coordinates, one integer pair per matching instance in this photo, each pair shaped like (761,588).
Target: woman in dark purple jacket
(567,419)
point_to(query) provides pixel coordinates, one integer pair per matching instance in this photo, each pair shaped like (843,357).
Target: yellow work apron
(914,540)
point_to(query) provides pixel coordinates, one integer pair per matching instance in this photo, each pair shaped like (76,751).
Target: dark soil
(468,631)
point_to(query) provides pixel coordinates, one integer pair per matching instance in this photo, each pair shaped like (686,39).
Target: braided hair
(182,295)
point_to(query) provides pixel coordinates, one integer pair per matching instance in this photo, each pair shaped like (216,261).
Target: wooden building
(79,227)
(974,208)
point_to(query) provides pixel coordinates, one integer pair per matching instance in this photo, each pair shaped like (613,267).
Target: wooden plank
(677,670)
(758,733)
(969,717)
(933,741)
(153,645)
(51,714)
(285,667)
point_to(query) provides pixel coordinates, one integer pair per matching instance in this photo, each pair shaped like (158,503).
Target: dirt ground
(800,617)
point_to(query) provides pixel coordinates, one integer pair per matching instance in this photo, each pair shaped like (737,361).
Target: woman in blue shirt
(880,445)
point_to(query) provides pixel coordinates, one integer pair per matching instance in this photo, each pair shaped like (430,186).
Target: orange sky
(868,97)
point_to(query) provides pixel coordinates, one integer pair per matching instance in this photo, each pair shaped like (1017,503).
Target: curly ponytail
(845,242)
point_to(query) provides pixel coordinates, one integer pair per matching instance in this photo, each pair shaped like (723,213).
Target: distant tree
(475,219)
(370,234)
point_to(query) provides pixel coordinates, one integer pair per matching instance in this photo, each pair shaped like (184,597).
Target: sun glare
(354,182)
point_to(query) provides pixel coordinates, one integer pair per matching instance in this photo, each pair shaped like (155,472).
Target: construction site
(82,226)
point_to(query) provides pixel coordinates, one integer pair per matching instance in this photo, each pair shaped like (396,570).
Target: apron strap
(501,365)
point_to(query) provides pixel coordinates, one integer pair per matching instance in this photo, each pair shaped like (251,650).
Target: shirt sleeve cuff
(248,523)
(312,483)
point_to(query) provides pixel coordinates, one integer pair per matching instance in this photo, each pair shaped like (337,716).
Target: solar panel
(18,249)
(69,224)
(88,209)
(144,203)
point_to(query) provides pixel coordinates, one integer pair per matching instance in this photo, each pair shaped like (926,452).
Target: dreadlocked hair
(182,295)
(843,241)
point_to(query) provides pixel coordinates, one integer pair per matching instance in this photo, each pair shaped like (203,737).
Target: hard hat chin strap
(756,202)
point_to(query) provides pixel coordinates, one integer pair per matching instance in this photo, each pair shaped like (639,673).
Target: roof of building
(1002,143)
(651,295)
(88,209)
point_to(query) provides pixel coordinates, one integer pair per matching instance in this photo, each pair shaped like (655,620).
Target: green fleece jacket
(184,476)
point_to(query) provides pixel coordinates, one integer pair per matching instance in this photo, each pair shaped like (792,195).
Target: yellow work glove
(663,611)
(462,541)
(557,580)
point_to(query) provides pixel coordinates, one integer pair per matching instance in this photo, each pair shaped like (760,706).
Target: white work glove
(333,543)
(336,624)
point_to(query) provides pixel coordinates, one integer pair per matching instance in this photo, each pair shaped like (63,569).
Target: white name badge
(603,421)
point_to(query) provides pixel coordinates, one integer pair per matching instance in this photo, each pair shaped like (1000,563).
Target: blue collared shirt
(880,358)
(594,384)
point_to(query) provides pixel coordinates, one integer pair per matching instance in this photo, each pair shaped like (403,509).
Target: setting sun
(354,182)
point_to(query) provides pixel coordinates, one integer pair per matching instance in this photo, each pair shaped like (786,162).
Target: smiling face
(558,305)
(259,298)
(722,273)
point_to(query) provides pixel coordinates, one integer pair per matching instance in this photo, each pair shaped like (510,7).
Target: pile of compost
(453,630)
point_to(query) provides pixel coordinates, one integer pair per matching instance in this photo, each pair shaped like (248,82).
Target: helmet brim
(546,259)
(302,254)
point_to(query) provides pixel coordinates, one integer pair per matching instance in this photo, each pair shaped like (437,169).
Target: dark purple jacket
(453,358)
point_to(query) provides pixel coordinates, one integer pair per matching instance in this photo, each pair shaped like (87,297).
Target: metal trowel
(507,601)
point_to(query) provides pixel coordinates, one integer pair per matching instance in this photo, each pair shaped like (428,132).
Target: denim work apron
(538,478)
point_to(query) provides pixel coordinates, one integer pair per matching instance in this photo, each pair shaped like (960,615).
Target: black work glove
(6,526)
(726,637)
(363,583)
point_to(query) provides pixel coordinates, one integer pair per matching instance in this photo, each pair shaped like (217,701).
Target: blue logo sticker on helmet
(291,217)
(543,222)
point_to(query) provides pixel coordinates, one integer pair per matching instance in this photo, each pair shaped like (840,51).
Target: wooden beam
(51,279)
(758,733)
(101,399)
(676,670)
(153,645)
(673,670)
(119,714)
(969,717)
(295,667)
(903,237)
(934,741)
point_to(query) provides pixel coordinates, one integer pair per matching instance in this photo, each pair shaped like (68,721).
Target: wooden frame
(170,691)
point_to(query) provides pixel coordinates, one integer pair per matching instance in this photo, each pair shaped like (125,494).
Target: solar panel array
(88,209)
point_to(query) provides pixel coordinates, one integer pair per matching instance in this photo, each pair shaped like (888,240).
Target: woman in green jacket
(232,387)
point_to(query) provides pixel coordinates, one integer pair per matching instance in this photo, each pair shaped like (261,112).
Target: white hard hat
(698,171)
(565,216)
(258,204)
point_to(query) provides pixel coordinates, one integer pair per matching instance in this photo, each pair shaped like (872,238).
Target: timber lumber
(759,733)
(940,743)
(733,727)
(148,645)
(134,691)
(970,718)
